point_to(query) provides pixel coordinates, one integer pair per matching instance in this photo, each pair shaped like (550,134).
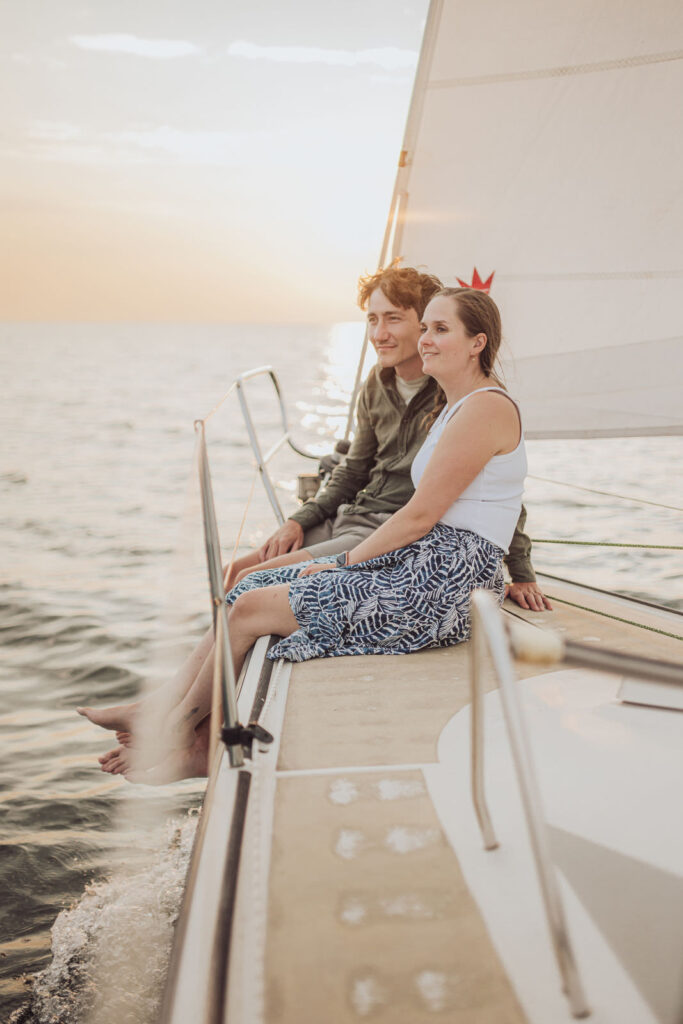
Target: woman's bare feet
(191,763)
(116,761)
(122,717)
(122,759)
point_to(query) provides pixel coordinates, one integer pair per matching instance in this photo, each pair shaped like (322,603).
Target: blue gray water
(102,588)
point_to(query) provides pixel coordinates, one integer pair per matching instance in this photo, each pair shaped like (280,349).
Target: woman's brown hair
(479,315)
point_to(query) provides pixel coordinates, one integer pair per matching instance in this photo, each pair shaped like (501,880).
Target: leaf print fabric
(406,600)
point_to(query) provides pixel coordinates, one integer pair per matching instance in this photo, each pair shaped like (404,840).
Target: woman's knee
(246,606)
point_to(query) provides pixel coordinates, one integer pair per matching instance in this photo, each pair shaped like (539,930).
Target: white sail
(544,143)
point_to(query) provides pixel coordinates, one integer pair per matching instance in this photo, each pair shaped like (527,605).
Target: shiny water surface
(103,590)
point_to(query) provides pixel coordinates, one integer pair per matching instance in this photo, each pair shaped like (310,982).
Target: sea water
(103,589)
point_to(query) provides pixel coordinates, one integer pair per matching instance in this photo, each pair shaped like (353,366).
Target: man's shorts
(342,533)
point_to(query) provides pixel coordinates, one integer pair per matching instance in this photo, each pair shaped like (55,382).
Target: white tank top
(490,506)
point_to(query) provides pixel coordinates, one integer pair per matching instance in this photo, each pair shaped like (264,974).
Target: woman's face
(447,350)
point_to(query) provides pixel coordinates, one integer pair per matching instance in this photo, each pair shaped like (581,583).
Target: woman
(408,585)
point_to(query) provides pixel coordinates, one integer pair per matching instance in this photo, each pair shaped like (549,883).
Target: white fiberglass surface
(609,777)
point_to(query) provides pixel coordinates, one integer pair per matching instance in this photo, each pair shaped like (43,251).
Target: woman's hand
(310,569)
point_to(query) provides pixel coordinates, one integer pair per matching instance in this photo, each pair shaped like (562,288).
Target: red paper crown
(481,286)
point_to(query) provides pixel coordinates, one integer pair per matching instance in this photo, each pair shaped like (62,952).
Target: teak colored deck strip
(369,915)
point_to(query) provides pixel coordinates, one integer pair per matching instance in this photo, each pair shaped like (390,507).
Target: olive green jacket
(375,475)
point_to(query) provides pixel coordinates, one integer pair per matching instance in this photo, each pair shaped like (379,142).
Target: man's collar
(387,374)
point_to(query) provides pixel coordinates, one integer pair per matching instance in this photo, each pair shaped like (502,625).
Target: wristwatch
(342,559)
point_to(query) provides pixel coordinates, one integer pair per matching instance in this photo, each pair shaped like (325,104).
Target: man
(362,493)
(373,481)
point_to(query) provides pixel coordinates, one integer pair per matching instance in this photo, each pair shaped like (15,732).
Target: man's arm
(349,477)
(346,480)
(523,590)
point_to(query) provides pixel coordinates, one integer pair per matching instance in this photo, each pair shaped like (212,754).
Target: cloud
(158,49)
(54,131)
(70,143)
(201,147)
(390,58)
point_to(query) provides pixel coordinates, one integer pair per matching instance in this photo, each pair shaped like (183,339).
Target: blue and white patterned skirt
(406,600)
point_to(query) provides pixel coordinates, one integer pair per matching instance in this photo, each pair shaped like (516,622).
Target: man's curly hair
(405,287)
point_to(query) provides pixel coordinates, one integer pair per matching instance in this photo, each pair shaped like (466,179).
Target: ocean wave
(110,950)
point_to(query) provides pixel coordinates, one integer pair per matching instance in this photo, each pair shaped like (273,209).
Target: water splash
(120,929)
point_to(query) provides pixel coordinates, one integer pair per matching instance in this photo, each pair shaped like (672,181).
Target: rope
(617,618)
(607,494)
(219,403)
(608,544)
(239,532)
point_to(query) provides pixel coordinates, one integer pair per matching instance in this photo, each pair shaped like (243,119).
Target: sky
(213,161)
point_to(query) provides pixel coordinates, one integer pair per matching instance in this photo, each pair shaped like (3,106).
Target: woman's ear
(478,344)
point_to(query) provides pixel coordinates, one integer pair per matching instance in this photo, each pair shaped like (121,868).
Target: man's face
(395,333)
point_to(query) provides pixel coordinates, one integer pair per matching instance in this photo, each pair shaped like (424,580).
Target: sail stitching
(563,71)
(599,275)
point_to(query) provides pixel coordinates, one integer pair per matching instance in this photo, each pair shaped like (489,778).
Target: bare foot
(178,731)
(116,761)
(125,739)
(191,763)
(121,717)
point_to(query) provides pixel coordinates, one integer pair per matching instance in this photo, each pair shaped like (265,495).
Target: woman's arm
(486,425)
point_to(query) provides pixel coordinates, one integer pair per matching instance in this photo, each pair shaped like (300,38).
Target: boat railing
(262,459)
(488,632)
(528,643)
(224,672)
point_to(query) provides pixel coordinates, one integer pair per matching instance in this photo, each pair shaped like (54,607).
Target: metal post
(477,652)
(223,664)
(485,610)
(270,491)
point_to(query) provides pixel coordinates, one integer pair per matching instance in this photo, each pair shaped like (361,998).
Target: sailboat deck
(369,915)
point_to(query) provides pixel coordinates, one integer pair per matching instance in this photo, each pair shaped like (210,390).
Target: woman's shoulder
(487,410)
(485,402)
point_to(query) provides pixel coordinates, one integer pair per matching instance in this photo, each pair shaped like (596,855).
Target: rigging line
(607,494)
(241,527)
(617,618)
(608,544)
(219,403)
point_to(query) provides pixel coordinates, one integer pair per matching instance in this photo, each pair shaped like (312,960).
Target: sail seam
(563,71)
(599,275)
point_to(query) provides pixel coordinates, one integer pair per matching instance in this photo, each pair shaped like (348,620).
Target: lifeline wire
(606,494)
(617,618)
(607,544)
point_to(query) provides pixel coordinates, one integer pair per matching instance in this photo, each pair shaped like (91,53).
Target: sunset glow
(162,163)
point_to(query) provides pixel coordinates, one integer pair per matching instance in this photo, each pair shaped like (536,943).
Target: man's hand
(289,537)
(318,567)
(528,595)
